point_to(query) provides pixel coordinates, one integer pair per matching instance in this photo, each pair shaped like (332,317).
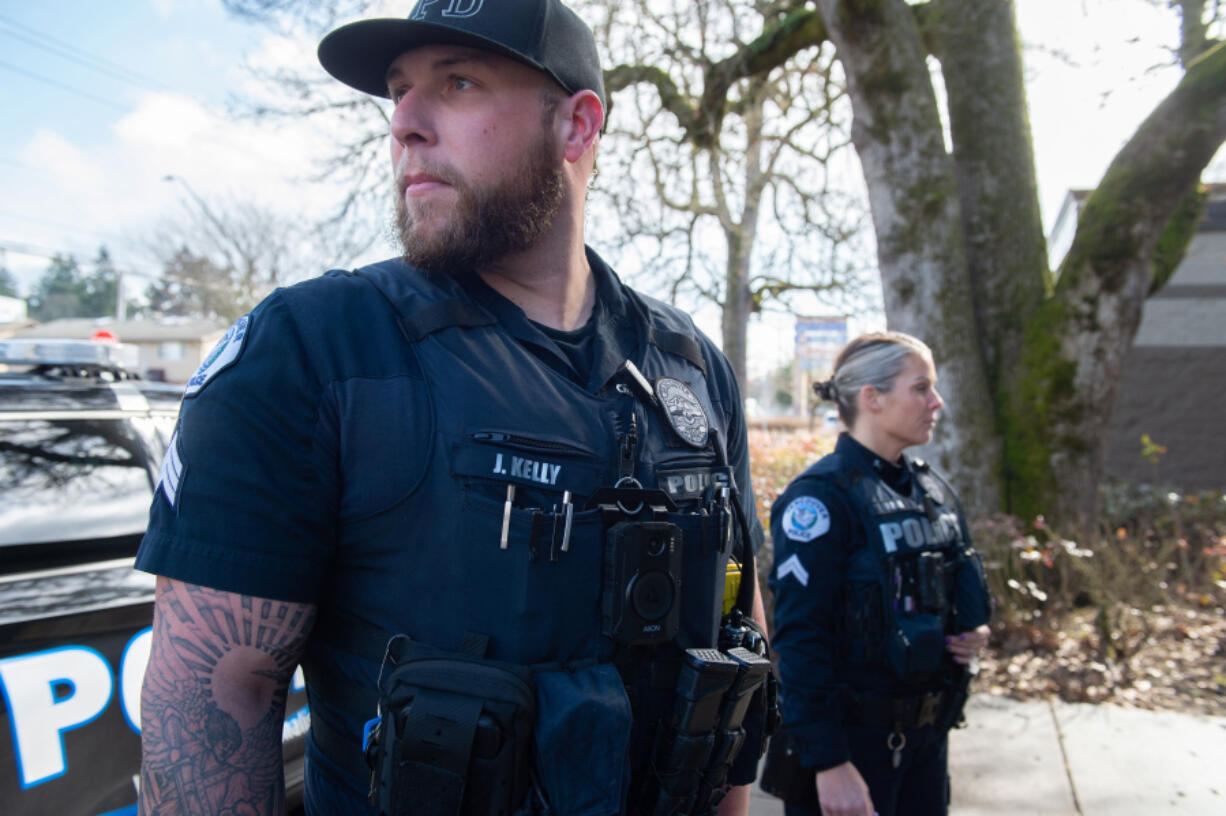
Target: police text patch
(221,357)
(805,519)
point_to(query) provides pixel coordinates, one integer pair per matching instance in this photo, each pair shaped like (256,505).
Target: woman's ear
(870,399)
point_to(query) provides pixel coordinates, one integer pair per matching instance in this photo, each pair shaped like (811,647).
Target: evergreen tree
(8,284)
(100,289)
(59,291)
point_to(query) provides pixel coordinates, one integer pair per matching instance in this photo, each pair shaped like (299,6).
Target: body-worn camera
(930,588)
(641,598)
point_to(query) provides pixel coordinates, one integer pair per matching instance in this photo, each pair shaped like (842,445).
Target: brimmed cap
(543,34)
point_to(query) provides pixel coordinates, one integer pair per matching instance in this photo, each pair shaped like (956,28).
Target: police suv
(81,442)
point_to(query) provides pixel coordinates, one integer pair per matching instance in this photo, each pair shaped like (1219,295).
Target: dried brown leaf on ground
(1177,661)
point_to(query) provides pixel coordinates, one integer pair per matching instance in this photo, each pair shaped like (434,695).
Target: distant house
(12,315)
(171,349)
(1173,388)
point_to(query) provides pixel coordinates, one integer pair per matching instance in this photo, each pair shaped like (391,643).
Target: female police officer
(880,604)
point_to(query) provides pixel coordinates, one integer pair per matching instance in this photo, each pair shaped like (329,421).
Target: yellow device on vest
(732,586)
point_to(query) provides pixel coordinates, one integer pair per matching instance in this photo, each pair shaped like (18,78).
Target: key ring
(630,481)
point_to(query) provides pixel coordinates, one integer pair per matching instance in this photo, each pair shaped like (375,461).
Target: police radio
(640,598)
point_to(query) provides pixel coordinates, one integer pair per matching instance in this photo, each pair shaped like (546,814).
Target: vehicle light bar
(29,351)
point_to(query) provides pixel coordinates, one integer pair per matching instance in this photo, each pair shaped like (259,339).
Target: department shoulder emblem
(683,410)
(805,519)
(221,357)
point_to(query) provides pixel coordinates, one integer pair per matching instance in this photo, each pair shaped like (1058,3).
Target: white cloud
(66,165)
(115,193)
(166,8)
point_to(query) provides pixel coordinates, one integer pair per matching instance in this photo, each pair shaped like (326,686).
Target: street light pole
(204,208)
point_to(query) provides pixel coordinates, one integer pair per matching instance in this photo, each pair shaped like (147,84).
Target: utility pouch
(681,751)
(785,777)
(930,582)
(916,646)
(453,736)
(730,736)
(861,631)
(582,738)
(957,692)
(972,601)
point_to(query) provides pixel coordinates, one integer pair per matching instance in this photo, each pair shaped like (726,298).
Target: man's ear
(583,117)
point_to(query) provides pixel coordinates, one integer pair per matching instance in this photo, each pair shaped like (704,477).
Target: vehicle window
(68,480)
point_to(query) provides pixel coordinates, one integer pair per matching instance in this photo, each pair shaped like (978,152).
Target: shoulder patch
(805,519)
(221,357)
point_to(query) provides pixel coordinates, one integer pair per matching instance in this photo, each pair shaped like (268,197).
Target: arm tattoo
(213,701)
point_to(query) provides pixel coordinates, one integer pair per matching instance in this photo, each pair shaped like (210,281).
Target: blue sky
(83,151)
(73,70)
(101,101)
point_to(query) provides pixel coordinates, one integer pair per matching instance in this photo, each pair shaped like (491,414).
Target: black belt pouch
(916,646)
(454,733)
(972,599)
(785,777)
(583,740)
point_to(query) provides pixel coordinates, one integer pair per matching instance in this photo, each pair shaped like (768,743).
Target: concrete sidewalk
(1072,759)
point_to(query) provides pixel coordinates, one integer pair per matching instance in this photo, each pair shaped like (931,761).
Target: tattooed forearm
(213,701)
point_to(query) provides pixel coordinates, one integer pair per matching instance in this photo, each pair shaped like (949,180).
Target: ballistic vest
(880,599)
(479,446)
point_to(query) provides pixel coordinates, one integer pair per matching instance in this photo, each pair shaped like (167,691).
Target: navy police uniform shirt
(311,419)
(252,488)
(815,529)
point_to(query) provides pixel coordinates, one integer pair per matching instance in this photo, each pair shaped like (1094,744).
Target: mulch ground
(1164,658)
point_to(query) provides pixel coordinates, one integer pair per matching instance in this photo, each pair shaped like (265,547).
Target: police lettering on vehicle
(40,712)
(51,692)
(532,470)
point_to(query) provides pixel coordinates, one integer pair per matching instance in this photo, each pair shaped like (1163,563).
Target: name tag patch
(501,464)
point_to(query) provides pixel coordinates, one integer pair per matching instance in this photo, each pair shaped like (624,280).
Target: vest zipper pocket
(527,443)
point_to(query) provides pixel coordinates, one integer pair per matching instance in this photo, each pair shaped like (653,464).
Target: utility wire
(52,223)
(78,55)
(37,251)
(63,87)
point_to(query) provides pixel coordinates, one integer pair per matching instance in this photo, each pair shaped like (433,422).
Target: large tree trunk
(961,251)
(1078,340)
(1006,252)
(913,193)
(741,233)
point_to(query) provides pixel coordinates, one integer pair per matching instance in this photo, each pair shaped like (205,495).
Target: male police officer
(491,449)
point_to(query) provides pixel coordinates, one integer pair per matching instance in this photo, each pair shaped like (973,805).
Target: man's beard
(487,223)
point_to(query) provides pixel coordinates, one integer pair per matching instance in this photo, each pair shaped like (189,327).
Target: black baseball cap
(543,34)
